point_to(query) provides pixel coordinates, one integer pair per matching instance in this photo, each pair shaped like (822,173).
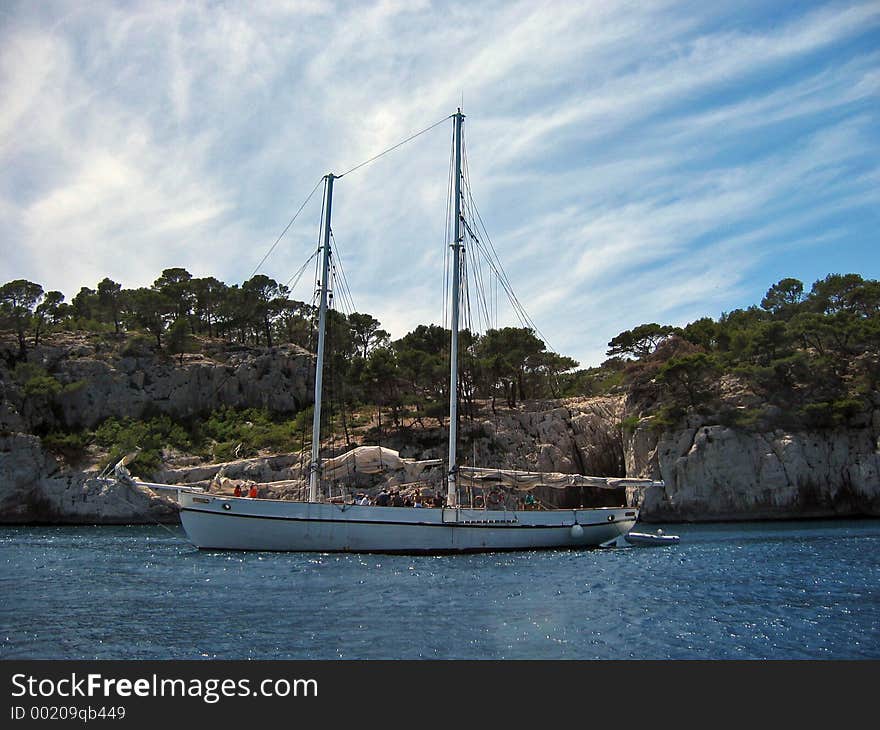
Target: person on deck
(383,498)
(237,491)
(252,493)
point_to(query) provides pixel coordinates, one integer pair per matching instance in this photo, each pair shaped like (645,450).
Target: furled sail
(373,460)
(527,480)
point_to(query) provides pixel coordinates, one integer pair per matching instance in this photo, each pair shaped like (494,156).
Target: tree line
(409,375)
(811,354)
(812,357)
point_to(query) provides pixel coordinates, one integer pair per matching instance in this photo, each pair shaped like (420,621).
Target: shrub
(138,346)
(828,414)
(42,385)
(71,445)
(150,436)
(249,431)
(668,416)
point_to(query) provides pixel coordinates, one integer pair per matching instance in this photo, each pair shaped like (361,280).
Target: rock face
(96,381)
(711,472)
(573,435)
(97,384)
(34,489)
(717,473)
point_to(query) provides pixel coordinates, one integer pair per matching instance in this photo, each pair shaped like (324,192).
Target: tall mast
(315,466)
(451,492)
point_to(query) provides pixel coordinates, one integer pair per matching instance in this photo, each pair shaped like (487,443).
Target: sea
(771,590)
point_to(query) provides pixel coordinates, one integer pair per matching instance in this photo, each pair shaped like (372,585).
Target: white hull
(238,523)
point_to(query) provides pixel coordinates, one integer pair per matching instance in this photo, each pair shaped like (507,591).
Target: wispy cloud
(653,161)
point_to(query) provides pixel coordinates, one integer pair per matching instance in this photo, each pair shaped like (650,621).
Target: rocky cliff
(34,488)
(77,381)
(98,379)
(711,472)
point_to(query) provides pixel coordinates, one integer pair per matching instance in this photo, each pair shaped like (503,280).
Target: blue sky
(633,162)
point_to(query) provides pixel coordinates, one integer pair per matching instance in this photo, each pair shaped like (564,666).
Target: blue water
(732,591)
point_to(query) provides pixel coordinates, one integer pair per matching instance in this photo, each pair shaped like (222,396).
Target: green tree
(423,362)
(149,310)
(179,340)
(295,322)
(259,301)
(812,330)
(18,298)
(782,298)
(864,300)
(46,313)
(110,301)
(833,293)
(367,332)
(85,305)
(380,378)
(551,366)
(768,341)
(691,376)
(507,354)
(639,342)
(209,294)
(702,332)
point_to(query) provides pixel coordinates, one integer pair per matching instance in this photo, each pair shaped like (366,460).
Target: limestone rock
(713,472)
(97,386)
(35,489)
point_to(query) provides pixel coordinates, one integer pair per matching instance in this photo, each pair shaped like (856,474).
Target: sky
(632,162)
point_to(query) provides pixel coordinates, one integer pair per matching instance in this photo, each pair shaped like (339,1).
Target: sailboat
(318,524)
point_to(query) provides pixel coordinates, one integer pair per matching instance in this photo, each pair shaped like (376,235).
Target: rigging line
(465,296)
(298,275)
(346,290)
(519,312)
(342,269)
(474,267)
(503,278)
(343,295)
(391,149)
(479,218)
(493,283)
(475,258)
(341,305)
(341,288)
(316,293)
(286,228)
(316,296)
(143,510)
(448,223)
(499,267)
(335,285)
(481,285)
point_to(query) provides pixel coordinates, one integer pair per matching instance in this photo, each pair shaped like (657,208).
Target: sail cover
(527,480)
(373,460)
(378,459)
